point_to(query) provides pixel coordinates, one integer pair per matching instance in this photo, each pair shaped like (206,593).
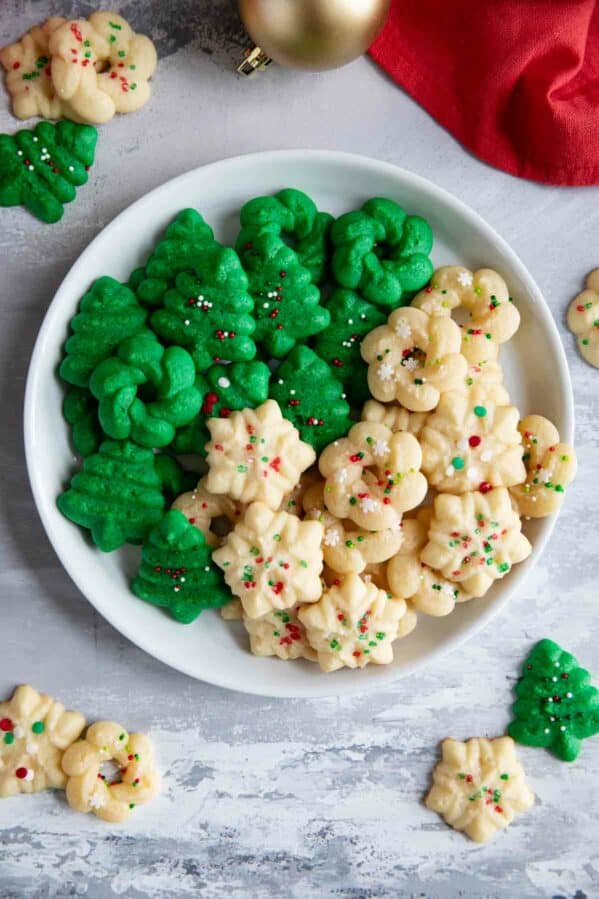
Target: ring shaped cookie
(77,50)
(550,467)
(132,59)
(87,788)
(413,359)
(372,476)
(583,319)
(483,293)
(201,508)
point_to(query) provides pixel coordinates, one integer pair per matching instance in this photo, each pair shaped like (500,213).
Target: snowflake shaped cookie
(469,443)
(256,455)
(583,319)
(484,371)
(483,293)
(395,417)
(409,578)
(372,476)
(346,548)
(550,467)
(279,633)
(474,539)
(202,508)
(35,730)
(272,560)
(479,786)
(413,359)
(353,625)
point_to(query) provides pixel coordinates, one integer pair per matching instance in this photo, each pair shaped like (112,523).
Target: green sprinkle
(461,776)
(111,38)
(87,55)
(121,736)
(504,777)
(303,564)
(87,43)
(264,458)
(480,411)
(352,500)
(505,566)
(133,86)
(334,644)
(115,26)
(131,805)
(457,462)
(38,727)
(122,53)
(242,469)
(276,537)
(469,382)
(9,738)
(584,342)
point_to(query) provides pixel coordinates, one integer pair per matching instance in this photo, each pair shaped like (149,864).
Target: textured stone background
(268,798)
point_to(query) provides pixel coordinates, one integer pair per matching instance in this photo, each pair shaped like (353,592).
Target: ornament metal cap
(255,60)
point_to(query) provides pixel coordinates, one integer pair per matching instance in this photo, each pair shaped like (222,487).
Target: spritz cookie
(413,359)
(475,539)
(469,442)
(28,81)
(394,416)
(583,319)
(353,624)
(272,560)
(279,633)
(479,786)
(35,730)
(484,372)
(256,455)
(89,790)
(550,467)
(373,476)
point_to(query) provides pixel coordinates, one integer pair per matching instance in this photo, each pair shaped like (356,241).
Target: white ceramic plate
(211,649)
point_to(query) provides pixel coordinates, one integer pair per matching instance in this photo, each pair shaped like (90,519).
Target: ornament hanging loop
(255,60)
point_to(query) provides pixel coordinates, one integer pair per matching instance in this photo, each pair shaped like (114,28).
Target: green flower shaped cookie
(382,252)
(177,572)
(41,169)
(310,396)
(209,311)
(293,216)
(286,303)
(557,707)
(146,392)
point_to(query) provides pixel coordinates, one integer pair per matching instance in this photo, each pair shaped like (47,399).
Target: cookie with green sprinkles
(42,168)
(80,410)
(311,397)
(108,313)
(117,495)
(287,306)
(557,707)
(177,572)
(225,388)
(382,251)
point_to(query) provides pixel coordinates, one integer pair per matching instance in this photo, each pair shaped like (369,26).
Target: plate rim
(220,679)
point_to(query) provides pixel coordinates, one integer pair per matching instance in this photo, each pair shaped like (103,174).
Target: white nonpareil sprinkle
(331,536)
(29,776)
(465,279)
(450,471)
(368,505)
(223,382)
(411,364)
(97,799)
(403,329)
(18,732)
(385,371)
(462,444)
(186,322)
(380,448)
(71,168)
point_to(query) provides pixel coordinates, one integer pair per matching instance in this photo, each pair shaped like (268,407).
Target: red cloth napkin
(516,81)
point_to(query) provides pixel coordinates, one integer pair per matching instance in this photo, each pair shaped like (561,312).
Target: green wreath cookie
(292,215)
(287,306)
(177,572)
(226,389)
(310,396)
(210,311)
(382,252)
(146,392)
(80,410)
(108,313)
(41,169)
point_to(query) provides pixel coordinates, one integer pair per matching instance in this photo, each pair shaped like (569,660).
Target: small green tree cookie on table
(557,708)
(177,571)
(41,169)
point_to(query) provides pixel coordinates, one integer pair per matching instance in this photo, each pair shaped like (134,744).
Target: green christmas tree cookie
(41,169)
(286,303)
(80,409)
(293,216)
(352,318)
(557,707)
(145,391)
(226,388)
(108,313)
(183,240)
(117,495)
(382,252)
(310,396)
(210,311)
(177,572)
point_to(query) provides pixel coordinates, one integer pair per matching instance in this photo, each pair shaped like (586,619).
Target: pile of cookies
(363,461)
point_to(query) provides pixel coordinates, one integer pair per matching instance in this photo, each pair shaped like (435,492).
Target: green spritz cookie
(310,396)
(175,480)
(145,391)
(210,310)
(176,252)
(557,708)
(352,318)
(225,388)
(80,409)
(286,303)
(108,313)
(382,252)
(293,216)
(117,495)
(177,572)
(41,169)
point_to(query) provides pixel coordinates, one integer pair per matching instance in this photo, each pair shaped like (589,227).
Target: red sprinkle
(21,773)
(16,65)
(6,724)
(474,441)
(210,401)
(76,31)
(278,587)
(580,308)
(485,487)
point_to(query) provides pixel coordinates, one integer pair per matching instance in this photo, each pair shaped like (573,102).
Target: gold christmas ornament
(309,34)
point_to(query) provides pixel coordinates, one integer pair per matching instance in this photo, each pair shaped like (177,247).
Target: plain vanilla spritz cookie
(583,319)
(35,730)
(479,786)
(413,359)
